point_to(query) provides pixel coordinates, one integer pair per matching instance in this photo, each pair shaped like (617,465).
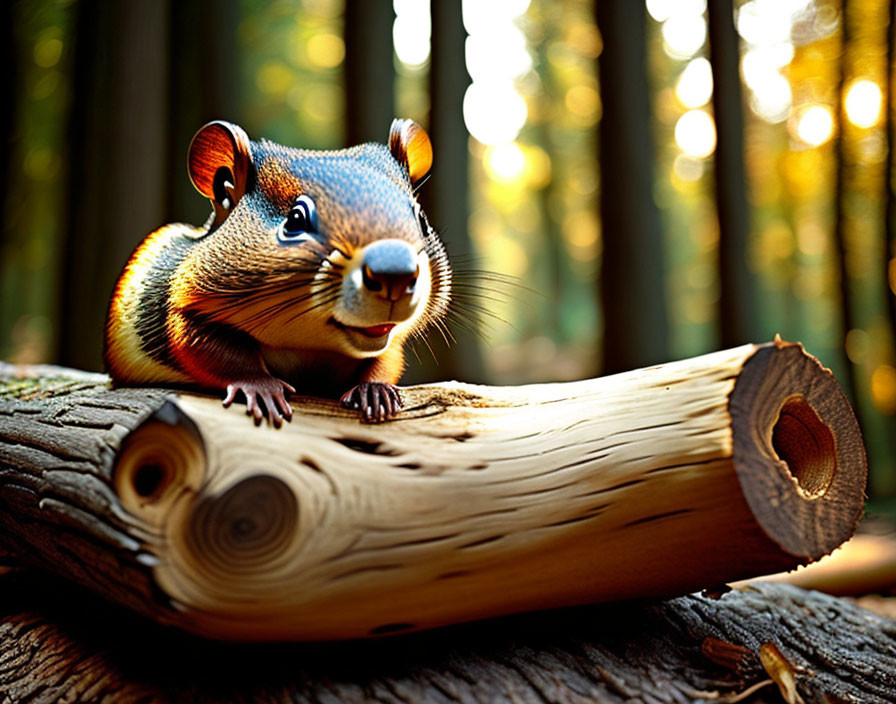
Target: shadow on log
(476,502)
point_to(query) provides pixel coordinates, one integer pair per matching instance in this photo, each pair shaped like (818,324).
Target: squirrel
(312,271)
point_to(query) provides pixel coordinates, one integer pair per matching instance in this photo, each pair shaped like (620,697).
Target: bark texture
(59,644)
(60,431)
(64,512)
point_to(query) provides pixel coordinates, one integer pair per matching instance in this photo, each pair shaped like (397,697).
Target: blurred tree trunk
(841,197)
(203,87)
(558,270)
(446,195)
(551,106)
(118,166)
(369,70)
(632,277)
(11,87)
(889,193)
(840,206)
(737,300)
(147,76)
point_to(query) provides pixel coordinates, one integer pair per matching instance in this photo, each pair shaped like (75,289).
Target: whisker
(418,338)
(281,304)
(412,345)
(419,184)
(472,305)
(326,301)
(471,320)
(491,282)
(270,313)
(445,332)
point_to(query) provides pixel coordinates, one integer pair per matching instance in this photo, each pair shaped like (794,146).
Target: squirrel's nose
(390,269)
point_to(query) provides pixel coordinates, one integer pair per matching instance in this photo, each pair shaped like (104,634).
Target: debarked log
(475,502)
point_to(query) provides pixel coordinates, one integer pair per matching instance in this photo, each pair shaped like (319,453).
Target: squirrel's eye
(301,220)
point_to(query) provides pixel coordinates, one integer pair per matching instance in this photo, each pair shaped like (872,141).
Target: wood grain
(476,502)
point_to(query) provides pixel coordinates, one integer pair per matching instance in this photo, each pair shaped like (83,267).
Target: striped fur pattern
(227,302)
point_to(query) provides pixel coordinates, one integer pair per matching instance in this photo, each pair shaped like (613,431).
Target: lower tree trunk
(632,276)
(59,644)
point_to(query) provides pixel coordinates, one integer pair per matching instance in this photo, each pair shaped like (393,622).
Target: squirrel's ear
(220,165)
(411,148)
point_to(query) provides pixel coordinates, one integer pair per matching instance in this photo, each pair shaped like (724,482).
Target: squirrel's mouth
(373,331)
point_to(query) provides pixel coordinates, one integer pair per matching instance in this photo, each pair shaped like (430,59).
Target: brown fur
(234,304)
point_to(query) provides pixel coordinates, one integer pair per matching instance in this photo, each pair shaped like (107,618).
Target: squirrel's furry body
(314,269)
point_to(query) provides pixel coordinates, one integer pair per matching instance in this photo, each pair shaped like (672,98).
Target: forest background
(639,182)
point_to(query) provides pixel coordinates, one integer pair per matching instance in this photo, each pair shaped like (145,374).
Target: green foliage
(34,200)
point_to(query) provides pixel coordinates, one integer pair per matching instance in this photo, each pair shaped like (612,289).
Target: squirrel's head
(319,249)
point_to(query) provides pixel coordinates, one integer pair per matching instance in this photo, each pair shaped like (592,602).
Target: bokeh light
(883,388)
(815,125)
(661,10)
(695,133)
(48,51)
(857,345)
(494,113)
(484,17)
(694,86)
(412,32)
(505,162)
(274,78)
(325,50)
(499,55)
(863,102)
(771,97)
(496,56)
(772,102)
(769,22)
(684,32)
(583,102)
(687,168)
(766,26)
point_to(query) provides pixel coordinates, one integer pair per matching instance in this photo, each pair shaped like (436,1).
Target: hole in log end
(150,479)
(798,454)
(157,462)
(806,445)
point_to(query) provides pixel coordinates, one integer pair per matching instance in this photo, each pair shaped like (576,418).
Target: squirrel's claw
(376,401)
(263,396)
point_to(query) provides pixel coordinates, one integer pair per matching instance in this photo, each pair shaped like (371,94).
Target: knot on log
(244,533)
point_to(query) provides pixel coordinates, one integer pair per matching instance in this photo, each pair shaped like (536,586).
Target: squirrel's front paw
(376,401)
(263,395)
